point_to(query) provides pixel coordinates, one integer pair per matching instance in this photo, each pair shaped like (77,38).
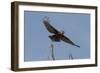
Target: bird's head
(62,32)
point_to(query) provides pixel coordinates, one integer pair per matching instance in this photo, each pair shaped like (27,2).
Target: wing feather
(67,40)
(50,28)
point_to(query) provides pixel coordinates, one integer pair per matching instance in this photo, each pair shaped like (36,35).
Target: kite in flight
(57,35)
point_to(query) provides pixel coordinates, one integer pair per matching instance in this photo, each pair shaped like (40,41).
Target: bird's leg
(52,51)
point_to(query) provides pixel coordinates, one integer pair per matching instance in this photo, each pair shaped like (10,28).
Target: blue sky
(37,42)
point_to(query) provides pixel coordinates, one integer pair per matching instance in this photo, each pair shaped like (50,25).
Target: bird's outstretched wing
(67,40)
(50,28)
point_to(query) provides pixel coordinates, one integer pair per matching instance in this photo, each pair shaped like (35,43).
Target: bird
(56,36)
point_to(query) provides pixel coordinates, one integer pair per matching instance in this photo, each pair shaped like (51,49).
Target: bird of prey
(56,36)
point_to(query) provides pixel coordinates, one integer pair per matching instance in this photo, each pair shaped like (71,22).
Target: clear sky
(37,43)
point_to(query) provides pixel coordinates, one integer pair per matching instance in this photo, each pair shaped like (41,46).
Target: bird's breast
(55,37)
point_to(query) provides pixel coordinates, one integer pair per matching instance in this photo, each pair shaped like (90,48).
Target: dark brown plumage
(57,36)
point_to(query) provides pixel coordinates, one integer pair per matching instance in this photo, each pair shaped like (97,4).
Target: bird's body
(56,35)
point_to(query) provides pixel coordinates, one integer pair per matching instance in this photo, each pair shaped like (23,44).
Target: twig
(52,52)
(71,56)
